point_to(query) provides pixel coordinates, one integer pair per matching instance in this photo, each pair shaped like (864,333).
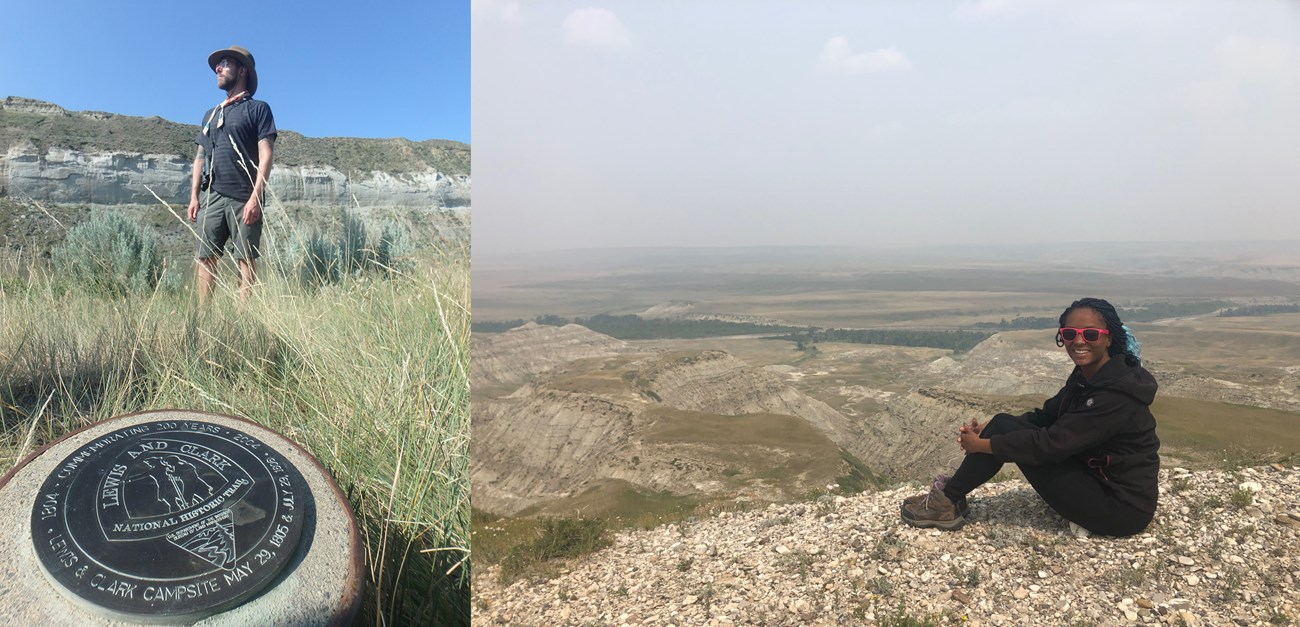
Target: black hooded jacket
(1105,423)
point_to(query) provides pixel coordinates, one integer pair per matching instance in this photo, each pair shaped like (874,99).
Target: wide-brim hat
(245,58)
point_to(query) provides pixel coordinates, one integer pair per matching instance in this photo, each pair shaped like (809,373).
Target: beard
(227,79)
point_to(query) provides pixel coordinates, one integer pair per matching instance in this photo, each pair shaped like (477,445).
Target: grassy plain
(1204,433)
(1231,348)
(371,376)
(879,287)
(1216,435)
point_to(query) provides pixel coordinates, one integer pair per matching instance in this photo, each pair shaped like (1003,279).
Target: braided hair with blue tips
(1122,341)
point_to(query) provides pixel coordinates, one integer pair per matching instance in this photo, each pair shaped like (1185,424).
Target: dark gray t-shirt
(246,122)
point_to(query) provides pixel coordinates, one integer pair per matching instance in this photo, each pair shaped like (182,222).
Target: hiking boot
(933,510)
(963,506)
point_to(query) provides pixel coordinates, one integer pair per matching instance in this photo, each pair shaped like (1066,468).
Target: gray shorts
(221,219)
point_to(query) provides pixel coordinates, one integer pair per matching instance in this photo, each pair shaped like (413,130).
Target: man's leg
(206,276)
(247,277)
(213,231)
(248,239)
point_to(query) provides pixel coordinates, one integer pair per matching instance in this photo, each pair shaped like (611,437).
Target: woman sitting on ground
(1090,452)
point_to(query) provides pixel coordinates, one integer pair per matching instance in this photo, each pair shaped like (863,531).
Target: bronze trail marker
(168,520)
(177,516)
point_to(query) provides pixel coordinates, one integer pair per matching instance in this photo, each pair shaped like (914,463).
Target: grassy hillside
(52,127)
(1216,434)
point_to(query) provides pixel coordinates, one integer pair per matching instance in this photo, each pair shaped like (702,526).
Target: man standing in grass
(231,168)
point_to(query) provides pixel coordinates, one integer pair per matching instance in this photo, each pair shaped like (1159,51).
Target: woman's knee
(1005,423)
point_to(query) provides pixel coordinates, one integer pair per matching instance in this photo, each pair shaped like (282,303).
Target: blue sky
(328,69)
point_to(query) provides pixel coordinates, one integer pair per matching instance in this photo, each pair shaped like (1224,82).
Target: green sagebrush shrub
(393,248)
(311,259)
(109,254)
(353,252)
(317,258)
(560,538)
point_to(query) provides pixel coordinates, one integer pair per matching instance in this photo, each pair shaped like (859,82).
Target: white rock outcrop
(1210,557)
(591,405)
(516,356)
(61,175)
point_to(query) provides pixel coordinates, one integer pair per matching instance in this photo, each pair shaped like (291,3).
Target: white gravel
(1222,550)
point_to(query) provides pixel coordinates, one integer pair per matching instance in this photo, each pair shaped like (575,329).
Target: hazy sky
(328,69)
(712,123)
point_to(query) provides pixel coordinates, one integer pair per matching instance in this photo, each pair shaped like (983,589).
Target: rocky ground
(1222,550)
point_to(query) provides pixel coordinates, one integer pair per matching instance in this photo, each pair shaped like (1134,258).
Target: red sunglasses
(1091,335)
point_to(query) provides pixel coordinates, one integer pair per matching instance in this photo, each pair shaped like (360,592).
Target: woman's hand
(970,441)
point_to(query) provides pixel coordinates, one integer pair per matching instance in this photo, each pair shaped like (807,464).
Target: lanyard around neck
(220,110)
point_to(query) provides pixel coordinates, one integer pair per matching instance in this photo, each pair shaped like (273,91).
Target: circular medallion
(168,520)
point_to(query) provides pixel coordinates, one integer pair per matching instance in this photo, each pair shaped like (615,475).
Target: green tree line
(634,327)
(1158,311)
(955,340)
(1019,322)
(1258,310)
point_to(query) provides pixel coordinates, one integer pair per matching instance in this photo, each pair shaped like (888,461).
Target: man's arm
(265,158)
(195,175)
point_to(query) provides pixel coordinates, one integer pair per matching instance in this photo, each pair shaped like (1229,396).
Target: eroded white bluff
(105,178)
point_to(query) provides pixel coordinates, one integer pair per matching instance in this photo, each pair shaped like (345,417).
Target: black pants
(1069,487)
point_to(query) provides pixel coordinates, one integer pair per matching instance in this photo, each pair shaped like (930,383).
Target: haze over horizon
(727,123)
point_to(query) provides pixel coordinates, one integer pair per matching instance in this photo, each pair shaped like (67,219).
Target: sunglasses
(225,64)
(1090,335)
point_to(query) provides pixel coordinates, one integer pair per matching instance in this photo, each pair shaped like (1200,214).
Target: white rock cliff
(61,175)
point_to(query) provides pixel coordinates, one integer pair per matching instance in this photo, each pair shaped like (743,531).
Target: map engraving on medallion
(168,520)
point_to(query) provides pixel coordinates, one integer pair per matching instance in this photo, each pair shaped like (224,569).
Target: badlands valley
(715,409)
(568,420)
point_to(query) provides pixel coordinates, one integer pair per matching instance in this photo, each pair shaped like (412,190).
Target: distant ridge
(45,125)
(57,166)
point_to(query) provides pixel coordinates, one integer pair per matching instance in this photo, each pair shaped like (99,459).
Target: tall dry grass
(369,375)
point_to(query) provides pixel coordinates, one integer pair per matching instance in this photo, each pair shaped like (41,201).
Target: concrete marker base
(321,585)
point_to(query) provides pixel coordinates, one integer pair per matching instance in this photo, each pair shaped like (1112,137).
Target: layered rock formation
(714,382)
(56,156)
(60,175)
(545,444)
(1284,395)
(596,409)
(603,411)
(998,366)
(590,405)
(516,356)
